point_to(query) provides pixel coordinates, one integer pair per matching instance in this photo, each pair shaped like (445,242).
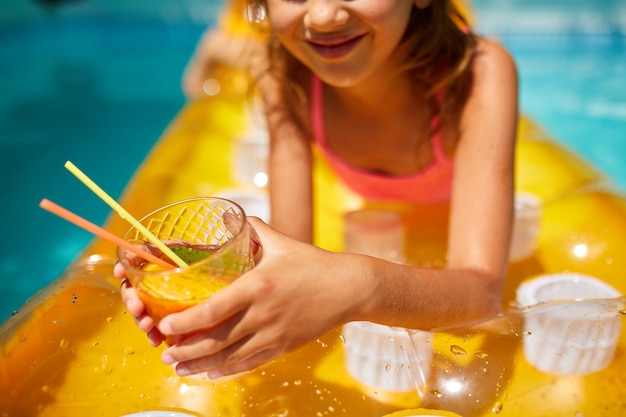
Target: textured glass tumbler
(214,223)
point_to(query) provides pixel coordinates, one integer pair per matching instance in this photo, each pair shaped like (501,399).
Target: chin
(342,79)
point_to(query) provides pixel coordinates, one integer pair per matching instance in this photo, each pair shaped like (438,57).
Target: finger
(146,323)
(256,224)
(235,359)
(155,337)
(190,320)
(222,306)
(206,342)
(227,347)
(255,243)
(266,234)
(231,220)
(131,300)
(193,359)
(118,271)
(248,364)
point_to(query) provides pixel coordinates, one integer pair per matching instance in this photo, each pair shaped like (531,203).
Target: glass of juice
(210,234)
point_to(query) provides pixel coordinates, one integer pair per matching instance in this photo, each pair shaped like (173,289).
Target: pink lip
(334,49)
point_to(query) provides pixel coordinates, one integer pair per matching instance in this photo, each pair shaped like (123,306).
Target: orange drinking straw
(100,232)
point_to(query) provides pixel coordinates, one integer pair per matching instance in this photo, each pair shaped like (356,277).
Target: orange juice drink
(209,234)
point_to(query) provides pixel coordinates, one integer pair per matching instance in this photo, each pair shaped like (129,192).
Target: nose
(325,14)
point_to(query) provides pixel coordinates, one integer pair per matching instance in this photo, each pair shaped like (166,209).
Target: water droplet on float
(387,368)
(457,350)
(15,313)
(436,393)
(64,343)
(109,319)
(497,408)
(211,87)
(129,350)
(481,355)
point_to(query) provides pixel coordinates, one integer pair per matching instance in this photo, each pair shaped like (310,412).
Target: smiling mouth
(335,50)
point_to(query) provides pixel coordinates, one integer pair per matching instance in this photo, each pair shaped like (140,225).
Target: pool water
(571,57)
(99,89)
(575,87)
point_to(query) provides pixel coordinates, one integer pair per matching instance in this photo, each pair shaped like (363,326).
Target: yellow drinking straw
(123,213)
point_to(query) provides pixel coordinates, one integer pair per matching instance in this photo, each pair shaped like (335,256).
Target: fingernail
(182,370)
(214,374)
(165,328)
(167,359)
(154,339)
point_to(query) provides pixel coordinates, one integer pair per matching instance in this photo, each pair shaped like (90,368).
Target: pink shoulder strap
(437,138)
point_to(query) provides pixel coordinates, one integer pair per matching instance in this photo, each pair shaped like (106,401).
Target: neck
(379,95)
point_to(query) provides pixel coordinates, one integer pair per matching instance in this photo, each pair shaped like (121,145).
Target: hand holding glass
(211,232)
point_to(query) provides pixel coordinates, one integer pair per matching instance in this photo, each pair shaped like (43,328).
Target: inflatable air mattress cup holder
(577,329)
(387,358)
(375,232)
(378,356)
(528,208)
(250,154)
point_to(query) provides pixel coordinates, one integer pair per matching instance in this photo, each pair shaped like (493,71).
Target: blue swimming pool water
(572,62)
(97,91)
(576,88)
(98,85)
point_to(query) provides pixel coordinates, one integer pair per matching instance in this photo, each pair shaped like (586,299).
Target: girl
(406,105)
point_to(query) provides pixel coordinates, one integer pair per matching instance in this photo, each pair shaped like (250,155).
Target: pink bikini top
(430,185)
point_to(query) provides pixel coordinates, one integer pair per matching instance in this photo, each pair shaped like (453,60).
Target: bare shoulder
(493,99)
(493,62)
